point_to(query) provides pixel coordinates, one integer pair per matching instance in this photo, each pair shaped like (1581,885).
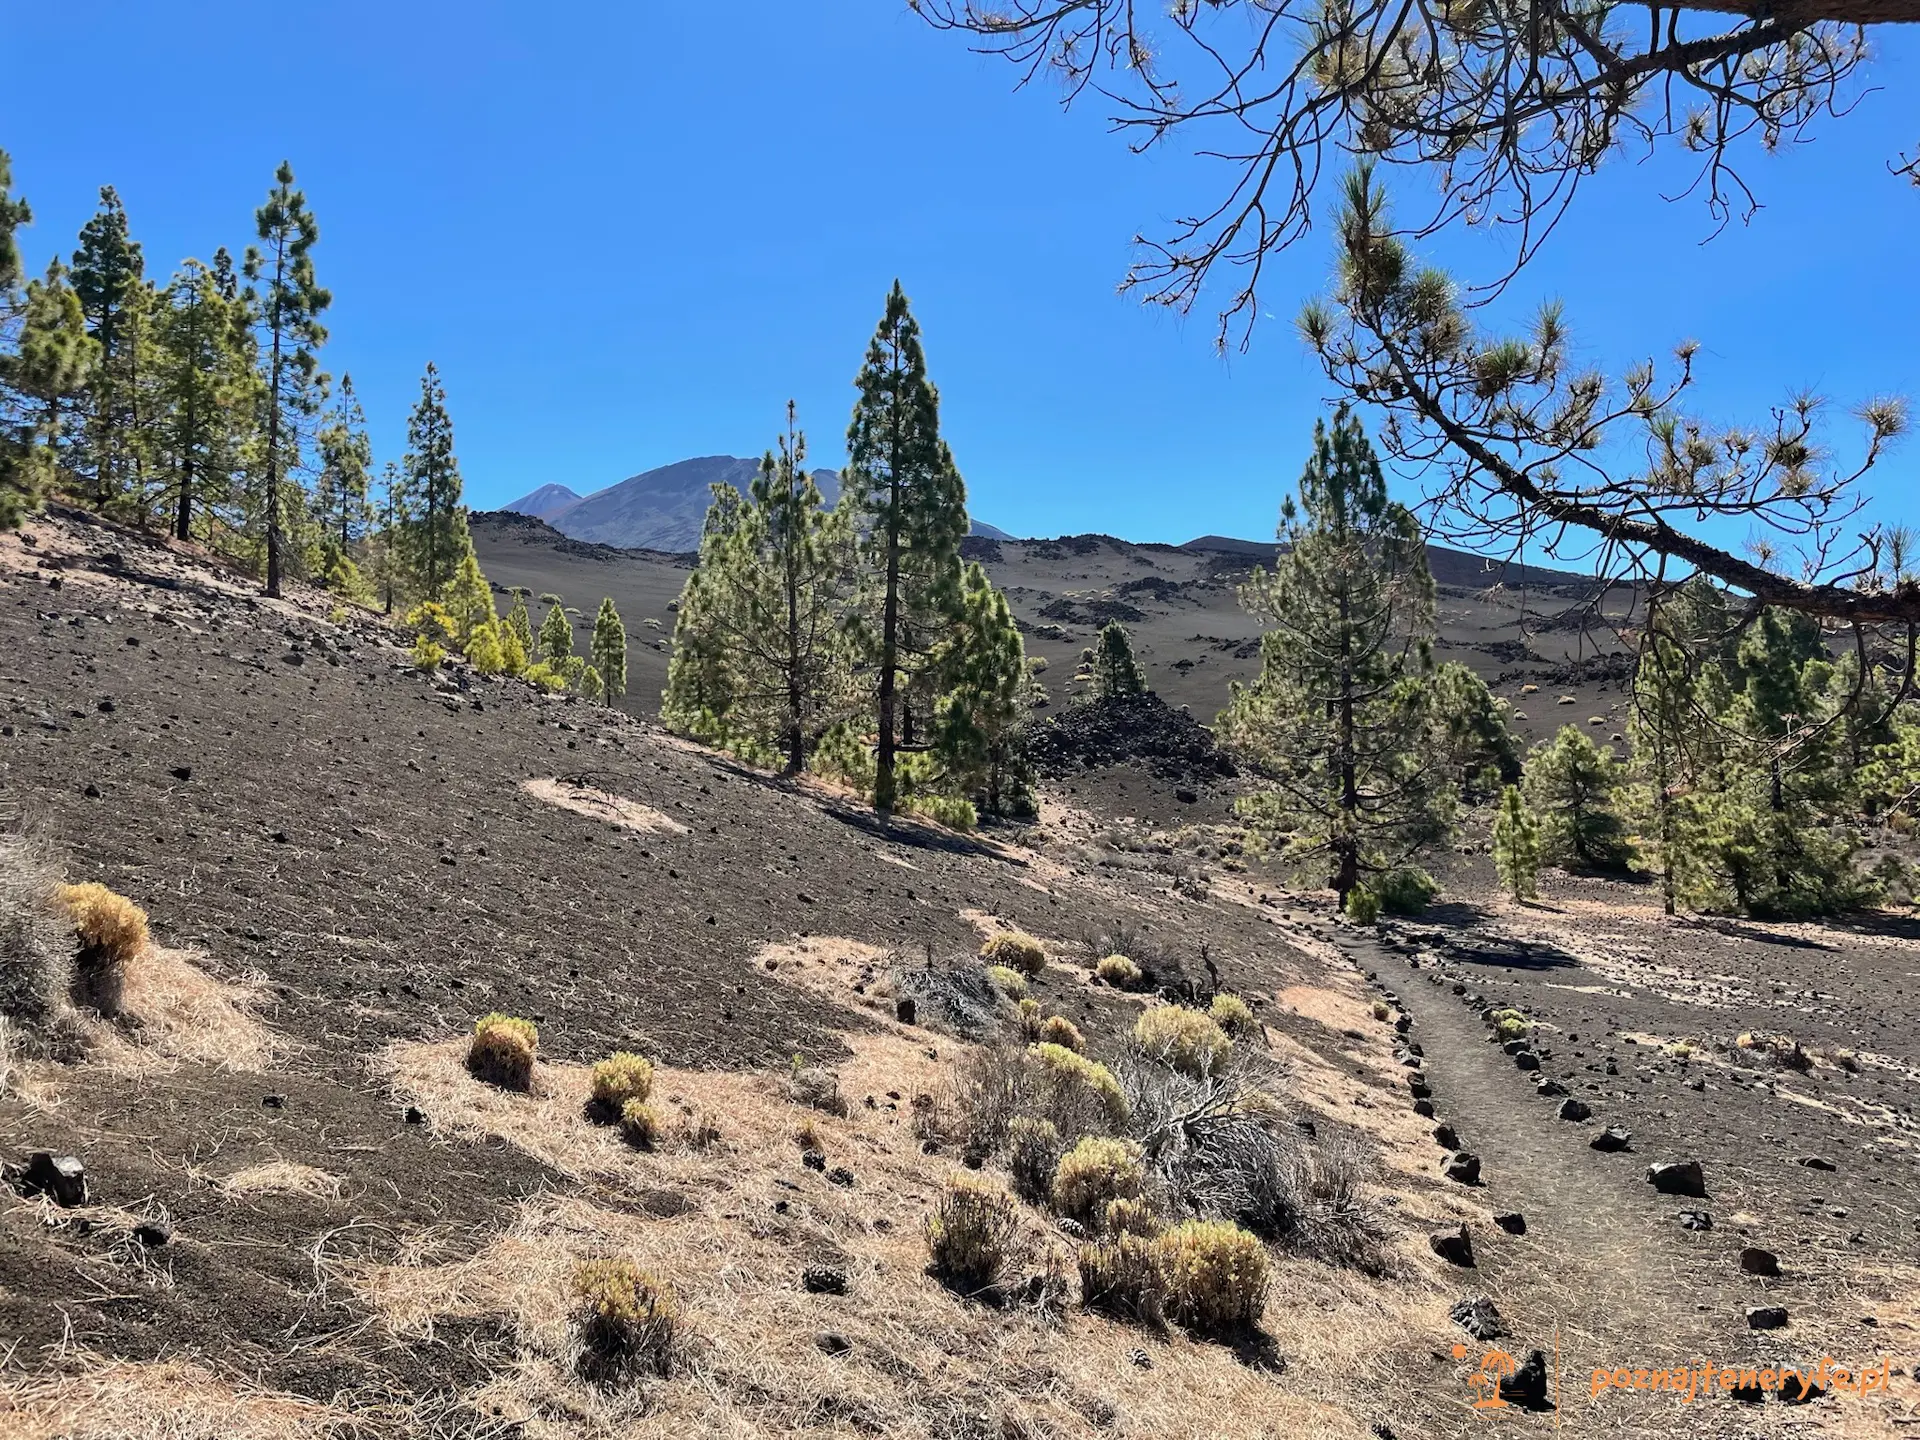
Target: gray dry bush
(36,944)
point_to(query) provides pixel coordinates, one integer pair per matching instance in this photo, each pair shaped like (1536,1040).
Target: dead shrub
(970,1236)
(502,1051)
(1119,972)
(112,930)
(1782,1051)
(1058,1030)
(818,1088)
(1030,1020)
(36,942)
(1033,1154)
(627,1322)
(1185,1039)
(621,1077)
(1017,950)
(1216,1276)
(1093,1174)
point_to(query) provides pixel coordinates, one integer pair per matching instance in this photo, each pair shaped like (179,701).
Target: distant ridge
(663,508)
(1458,568)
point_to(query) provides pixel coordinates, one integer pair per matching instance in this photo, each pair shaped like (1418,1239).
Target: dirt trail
(1605,1272)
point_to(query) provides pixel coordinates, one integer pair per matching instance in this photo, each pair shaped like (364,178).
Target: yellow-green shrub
(1381,1010)
(1069,1068)
(621,1077)
(1216,1275)
(1124,1275)
(1030,1019)
(639,1124)
(1231,1014)
(1119,972)
(626,1320)
(502,1051)
(1033,1153)
(970,1234)
(1011,982)
(1132,1215)
(1185,1039)
(1093,1174)
(1016,949)
(111,930)
(1058,1030)
(1510,1024)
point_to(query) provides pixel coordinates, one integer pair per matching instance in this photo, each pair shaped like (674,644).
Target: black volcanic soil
(357,834)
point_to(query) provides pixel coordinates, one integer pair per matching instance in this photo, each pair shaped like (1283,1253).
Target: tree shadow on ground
(1509,953)
(1741,930)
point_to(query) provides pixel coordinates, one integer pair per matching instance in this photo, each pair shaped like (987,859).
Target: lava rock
(905,1010)
(1462,1168)
(1576,1110)
(1445,1138)
(1453,1246)
(1612,1139)
(1526,1060)
(1547,1089)
(840,1176)
(1477,1316)
(153,1233)
(1511,1221)
(1696,1220)
(1756,1261)
(1417,1085)
(823,1280)
(1679,1177)
(1423,1107)
(1818,1162)
(1766,1317)
(1527,1386)
(62,1178)
(832,1342)
(813,1159)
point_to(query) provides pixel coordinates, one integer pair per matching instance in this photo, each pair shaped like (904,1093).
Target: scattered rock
(1417,1085)
(181,772)
(1477,1316)
(1445,1138)
(1679,1177)
(1140,1358)
(1571,1109)
(1527,1386)
(1511,1221)
(1695,1220)
(1184,795)
(153,1233)
(813,1159)
(906,1010)
(832,1342)
(1462,1168)
(1613,1138)
(840,1176)
(274,1102)
(62,1178)
(1547,1089)
(1818,1162)
(415,1115)
(1756,1261)
(1453,1246)
(1526,1060)
(823,1280)
(1766,1317)
(1423,1107)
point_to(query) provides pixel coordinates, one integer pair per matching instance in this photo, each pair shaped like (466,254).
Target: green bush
(1119,972)
(1016,949)
(1510,1024)
(639,1124)
(1058,1030)
(1030,1019)
(627,1322)
(1216,1275)
(1093,1174)
(1363,906)
(970,1235)
(1010,982)
(1069,1070)
(621,1077)
(1186,1039)
(1125,1276)
(1231,1014)
(1406,891)
(502,1051)
(1132,1216)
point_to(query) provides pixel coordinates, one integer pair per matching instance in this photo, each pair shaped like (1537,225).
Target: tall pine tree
(108,277)
(608,650)
(437,522)
(291,334)
(45,355)
(1337,721)
(909,506)
(204,390)
(346,465)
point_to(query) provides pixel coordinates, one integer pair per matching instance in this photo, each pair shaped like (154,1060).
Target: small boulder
(1818,1162)
(1423,1107)
(1453,1246)
(1547,1089)
(823,1280)
(1417,1085)
(1462,1168)
(1477,1316)
(1511,1221)
(832,1342)
(905,1010)
(1756,1261)
(153,1233)
(1527,1386)
(1696,1220)
(1526,1060)
(1445,1138)
(1679,1177)
(1766,1317)
(1612,1139)
(1572,1109)
(61,1178)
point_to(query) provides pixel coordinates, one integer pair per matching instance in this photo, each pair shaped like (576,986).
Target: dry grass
(616,810)
(921,1362)
(279,1177)
(94,1397)
(186,1015)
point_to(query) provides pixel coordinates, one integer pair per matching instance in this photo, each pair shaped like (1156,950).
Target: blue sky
(628,233)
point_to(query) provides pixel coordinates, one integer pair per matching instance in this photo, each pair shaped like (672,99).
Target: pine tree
(513,654)
(437,532)
(1113,667)
(395,517)
(589,684)
(1516,845)
(469,598)
(1472,738)
(204,392)
(987,695)
(759,660)
(608,650)
(1338,720)
(42,371)
(910,507)
(108,277)
(1573,786)
(556,636)
(346,465)
(291,334)
(520,627)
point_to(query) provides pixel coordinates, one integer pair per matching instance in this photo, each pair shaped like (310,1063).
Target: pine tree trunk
(1347,877)
(273,430)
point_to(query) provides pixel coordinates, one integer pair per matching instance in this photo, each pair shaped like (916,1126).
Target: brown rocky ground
(363,859)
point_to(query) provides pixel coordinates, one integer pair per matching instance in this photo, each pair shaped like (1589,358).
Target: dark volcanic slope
(1179,602)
